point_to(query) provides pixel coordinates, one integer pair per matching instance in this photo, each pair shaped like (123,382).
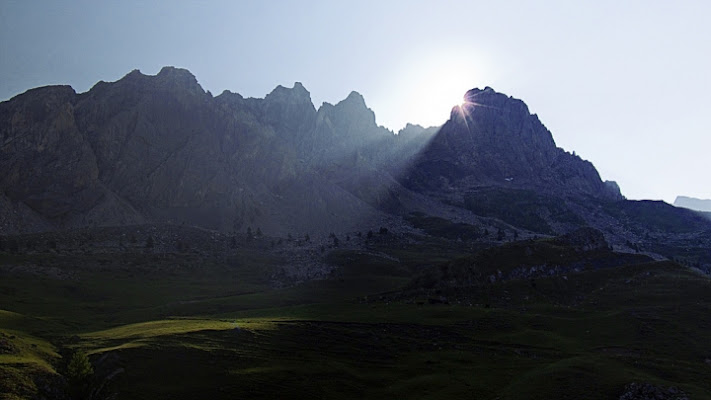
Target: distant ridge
(693,203)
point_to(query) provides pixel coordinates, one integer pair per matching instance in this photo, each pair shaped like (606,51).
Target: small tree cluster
(79,373)
(79,368)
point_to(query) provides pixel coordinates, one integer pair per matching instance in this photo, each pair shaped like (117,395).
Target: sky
(625,84)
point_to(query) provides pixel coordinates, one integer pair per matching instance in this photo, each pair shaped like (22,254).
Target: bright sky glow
(426,88)
(623,84)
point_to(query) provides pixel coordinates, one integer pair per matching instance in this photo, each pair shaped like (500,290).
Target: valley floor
(199,325)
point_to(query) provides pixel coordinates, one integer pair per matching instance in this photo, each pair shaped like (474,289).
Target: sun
(443,88)
(425,85)
(424,90)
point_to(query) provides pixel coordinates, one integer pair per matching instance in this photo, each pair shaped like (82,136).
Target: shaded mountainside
(159,149)
(493,140)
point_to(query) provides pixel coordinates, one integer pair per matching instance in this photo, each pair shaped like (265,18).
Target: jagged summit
(354,101)
(48,91)
(493,139)
(178,81)
(169,70)
(490,98)
(297,93)
(159,148)
(165,73)
(355,98)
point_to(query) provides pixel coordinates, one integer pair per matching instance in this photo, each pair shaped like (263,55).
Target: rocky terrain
(160,150)
(269,248)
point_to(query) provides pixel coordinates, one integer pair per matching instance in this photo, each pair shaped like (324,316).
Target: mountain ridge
(160,149)
(703,205)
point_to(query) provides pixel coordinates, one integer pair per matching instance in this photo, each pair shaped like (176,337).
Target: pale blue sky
(624,84)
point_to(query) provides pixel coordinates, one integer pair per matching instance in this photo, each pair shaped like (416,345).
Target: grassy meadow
(171,325)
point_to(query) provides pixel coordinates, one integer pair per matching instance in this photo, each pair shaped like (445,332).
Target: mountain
(159,149)
(693,203)
(493,140)
(159,231)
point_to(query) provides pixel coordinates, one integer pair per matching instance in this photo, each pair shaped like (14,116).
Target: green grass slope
(192,325)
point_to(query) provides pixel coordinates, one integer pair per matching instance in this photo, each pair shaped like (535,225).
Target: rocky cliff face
(493,140)
(160,149)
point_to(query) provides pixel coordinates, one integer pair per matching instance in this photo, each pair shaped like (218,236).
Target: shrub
(79,368)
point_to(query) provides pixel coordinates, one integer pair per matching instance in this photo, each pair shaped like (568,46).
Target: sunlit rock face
(160,149)
(493,140)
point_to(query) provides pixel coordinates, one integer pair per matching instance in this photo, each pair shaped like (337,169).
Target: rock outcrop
(493,140)
(160,149)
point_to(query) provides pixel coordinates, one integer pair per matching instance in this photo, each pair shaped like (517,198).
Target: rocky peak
(177,81)
(493,140)
(411,129)
(297,95)
(613,190)
(489,112)
(147,147)
(47,93)
(178,78)
(176,73)
(353,110)
(354,98)
(413,138)
(289,110)
(44,105)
